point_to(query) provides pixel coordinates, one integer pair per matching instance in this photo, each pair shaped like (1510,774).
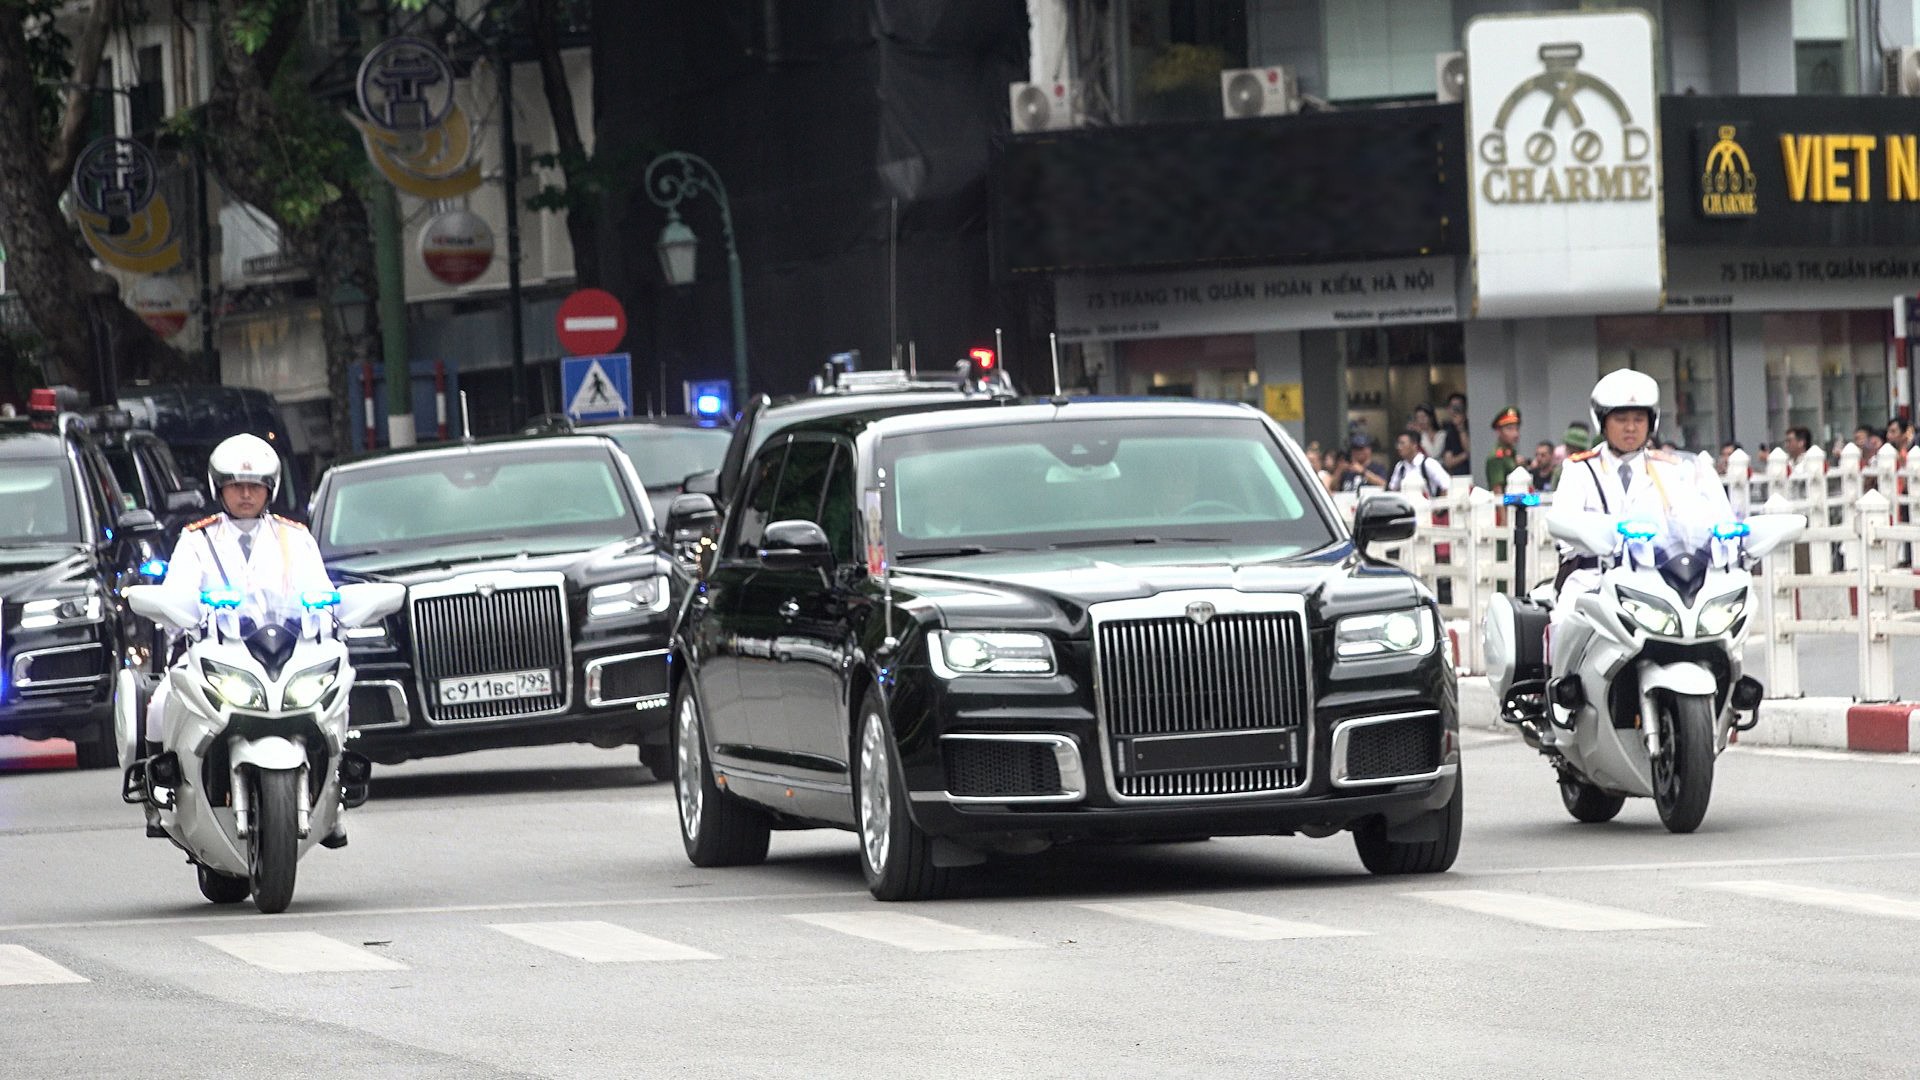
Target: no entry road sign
(591,322)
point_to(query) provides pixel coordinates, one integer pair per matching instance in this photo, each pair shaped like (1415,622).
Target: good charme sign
(1562,127)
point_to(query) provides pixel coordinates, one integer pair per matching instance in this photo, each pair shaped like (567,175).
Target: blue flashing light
(320,598)
(1639,530)
(1528,499)
(707,405)
(1731,530)
(710,399)
(222,598)
(154,568)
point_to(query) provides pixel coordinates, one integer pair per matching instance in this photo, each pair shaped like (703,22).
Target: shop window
(1826,372)
(1176,50)
(1686,355)
(1391,369)
(1219,368)
(1385,48)
(1823,44)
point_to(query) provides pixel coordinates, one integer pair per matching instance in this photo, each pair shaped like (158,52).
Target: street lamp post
(672,178)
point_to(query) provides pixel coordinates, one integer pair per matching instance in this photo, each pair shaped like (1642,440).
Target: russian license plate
(507,684)
(1192,753)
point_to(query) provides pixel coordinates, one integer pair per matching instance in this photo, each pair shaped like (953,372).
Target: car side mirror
(137,521)
(366,603)
(1382,519)
(185,502)
(702,483)
(690,514)
(795,545)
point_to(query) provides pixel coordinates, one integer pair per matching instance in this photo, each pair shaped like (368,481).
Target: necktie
(246,542)
(1626,476)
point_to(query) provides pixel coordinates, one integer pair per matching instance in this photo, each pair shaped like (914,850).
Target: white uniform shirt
(1591,482)
(284,560)
(1424,473)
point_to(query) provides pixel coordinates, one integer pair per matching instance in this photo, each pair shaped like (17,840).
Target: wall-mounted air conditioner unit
(1901,75)
(1268,91)
(1049,106)
(1450,76)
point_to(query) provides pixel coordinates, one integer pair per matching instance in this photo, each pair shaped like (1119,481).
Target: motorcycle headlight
(233,686)
(1384,633)
(971,652)
(40,614)
(311,685)
(1654,615)
(626,598)
(1721,613)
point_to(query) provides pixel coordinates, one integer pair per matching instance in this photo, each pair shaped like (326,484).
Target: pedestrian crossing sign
(597,387)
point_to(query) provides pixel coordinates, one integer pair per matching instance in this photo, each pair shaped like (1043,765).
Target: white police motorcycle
(1644,684)
(251,772)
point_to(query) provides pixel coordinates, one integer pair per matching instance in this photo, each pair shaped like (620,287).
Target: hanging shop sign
(122,213)
(161,303)
(1787,173)
(413,127)
(1195,303)
(1563,139)
(457,247)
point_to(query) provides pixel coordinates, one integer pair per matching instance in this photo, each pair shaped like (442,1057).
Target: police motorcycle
(253,769)
(1644,683)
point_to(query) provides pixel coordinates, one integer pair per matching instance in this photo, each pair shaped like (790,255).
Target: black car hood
(38,572)
(620,561)
(1046,587)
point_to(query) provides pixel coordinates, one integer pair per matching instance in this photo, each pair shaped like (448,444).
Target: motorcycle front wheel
(274,847)
(1683,771)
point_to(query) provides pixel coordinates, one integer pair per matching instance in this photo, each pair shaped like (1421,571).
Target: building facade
(1424,198)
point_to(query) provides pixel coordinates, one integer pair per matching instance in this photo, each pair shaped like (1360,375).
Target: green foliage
(316,153)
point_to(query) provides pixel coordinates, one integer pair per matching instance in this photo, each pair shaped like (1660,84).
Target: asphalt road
(531,914)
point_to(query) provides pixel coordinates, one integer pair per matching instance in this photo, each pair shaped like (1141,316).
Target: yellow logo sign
(1727,183)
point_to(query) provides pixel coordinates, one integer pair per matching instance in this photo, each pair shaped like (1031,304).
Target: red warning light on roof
(983,359)
(42,400)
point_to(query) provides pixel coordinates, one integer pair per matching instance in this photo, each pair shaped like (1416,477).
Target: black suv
(538,604)
(69,539)
(665,450)
(145,467)
(979,631)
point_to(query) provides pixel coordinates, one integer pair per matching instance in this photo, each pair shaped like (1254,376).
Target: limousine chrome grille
(487,625)
(1204,694)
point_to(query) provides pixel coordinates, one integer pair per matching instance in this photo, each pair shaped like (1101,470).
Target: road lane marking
(1219,922)
(21,966)
(600,942)
(915,933)
(1812,754)
(1856,903)
(1548,911)
(1685,864)
(300,952)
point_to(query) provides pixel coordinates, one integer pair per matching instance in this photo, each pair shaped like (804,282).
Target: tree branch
(87,54)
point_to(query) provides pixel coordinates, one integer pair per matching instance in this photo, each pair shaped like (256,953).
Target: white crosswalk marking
(1548,911)
(21,966)
(1220,922)
(298,953)
(914,933)
(1856,903)
(600,942)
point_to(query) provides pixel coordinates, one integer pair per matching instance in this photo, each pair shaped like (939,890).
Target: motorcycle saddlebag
(1516,642)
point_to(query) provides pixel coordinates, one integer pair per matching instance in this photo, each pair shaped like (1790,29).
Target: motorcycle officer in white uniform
(245,549)
(1625,478)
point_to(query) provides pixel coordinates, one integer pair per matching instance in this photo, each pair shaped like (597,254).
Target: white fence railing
(1851,574)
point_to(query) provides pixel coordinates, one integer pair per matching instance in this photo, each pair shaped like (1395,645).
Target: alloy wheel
(876,804)
(692,767)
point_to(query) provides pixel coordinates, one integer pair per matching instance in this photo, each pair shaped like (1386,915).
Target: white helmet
(1625,389)
(243,459)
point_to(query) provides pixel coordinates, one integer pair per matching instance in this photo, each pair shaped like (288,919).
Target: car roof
(496,445)
(680,423)
(1044,410)
(19,442)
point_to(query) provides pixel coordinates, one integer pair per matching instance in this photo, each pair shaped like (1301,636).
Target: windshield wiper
(953,552)
(1122,541)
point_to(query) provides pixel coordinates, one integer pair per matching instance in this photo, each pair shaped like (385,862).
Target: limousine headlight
(626,598)
(972,652)
(1386,633)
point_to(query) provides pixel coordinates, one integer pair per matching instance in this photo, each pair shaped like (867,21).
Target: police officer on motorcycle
(245,549)
(1626,478)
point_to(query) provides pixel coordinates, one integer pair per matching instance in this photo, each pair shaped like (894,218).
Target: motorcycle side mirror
(172,608)
(1586,532)
(1384,519)
(1766,533)
(366,603)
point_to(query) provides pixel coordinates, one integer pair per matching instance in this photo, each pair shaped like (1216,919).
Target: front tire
(274,842)
(222,888)
(1683,774)
(1383,856)
(896,856)
(716,827)
(659,760)
(1588,803)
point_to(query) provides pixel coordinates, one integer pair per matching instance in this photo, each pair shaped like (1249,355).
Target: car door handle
(790,609)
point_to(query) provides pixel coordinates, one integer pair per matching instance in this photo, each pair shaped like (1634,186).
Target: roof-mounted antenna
(913,360)
(1053,347)
(999,352)
(466,420)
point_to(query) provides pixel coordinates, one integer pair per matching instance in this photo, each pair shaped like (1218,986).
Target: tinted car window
(37,503)
(839,507)
(804,480)
(763,485)
(127,471)
(665,456)
(1032,485)
(410,503)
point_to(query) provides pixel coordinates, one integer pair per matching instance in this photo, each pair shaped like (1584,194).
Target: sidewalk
(19,755)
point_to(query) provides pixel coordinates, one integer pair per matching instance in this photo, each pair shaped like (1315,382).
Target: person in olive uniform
(1506,449)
